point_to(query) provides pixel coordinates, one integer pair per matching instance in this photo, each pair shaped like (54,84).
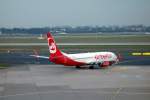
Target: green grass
(67,48)
(103,39)
(21,40)
(81,39)
(3,66)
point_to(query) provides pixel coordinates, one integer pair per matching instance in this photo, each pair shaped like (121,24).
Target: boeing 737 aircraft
(102,59)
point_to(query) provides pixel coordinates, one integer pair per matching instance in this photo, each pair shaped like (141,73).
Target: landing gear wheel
(91,67)
(78,67)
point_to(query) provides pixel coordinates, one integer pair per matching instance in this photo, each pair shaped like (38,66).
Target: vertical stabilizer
(53,49)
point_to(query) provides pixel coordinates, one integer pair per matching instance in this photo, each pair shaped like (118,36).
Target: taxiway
(56,82)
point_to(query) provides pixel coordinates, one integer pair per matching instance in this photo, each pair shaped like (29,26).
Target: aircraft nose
(117,60)
(118,57)
(115,57)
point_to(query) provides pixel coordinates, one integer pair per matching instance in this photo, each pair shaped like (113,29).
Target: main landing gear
(90,67)
(78,67)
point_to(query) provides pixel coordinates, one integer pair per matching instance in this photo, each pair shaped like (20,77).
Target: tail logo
(52,48)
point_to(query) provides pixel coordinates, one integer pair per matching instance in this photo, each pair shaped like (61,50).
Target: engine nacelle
(105,64)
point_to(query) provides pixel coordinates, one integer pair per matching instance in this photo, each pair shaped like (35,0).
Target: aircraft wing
(44,57)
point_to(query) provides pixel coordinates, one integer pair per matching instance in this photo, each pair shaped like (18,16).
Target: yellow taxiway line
(141,54)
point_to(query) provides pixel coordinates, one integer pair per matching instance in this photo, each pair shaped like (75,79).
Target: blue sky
(42,13)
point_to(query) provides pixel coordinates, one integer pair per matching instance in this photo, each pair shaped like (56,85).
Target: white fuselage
(91,58)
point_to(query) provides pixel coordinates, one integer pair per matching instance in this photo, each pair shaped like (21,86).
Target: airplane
(90,59)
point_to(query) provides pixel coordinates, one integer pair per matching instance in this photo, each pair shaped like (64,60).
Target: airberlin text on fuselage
(100,56)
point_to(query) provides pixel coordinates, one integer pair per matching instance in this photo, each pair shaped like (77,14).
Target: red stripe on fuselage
(64,60)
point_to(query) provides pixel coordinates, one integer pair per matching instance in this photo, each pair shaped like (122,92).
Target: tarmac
(57,82)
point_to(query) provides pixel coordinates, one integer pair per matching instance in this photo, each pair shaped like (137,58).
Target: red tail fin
(56,56)
(54,51)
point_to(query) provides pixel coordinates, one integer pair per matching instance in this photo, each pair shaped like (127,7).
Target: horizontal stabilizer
(45,57)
